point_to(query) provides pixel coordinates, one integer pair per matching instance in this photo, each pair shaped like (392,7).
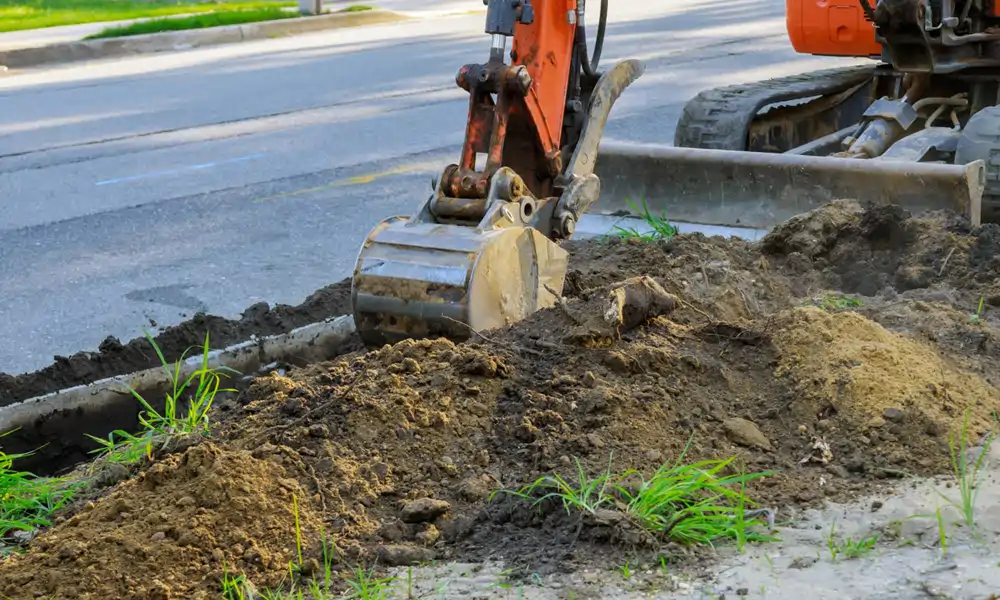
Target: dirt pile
(116,358)
(840,351)
(173,528)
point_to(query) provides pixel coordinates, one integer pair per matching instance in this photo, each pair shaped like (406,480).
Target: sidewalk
(36,38)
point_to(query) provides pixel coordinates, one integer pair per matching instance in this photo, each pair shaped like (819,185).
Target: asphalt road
(210,179)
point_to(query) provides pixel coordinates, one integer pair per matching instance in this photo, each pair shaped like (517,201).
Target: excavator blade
(418,279)
(761,190)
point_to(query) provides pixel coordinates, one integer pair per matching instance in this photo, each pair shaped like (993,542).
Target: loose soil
(840,351)
(115,358)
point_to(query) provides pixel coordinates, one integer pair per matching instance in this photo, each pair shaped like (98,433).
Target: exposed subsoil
(394,453)
(116,358)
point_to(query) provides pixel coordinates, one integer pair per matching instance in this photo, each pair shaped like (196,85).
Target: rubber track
(719,119)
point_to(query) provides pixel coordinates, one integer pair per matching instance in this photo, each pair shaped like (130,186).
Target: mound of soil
(175,526)
(840,351)
(115,358)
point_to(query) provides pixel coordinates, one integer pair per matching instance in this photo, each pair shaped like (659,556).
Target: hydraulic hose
(588,62)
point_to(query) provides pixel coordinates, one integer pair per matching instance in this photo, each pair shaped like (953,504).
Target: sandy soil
(840,351)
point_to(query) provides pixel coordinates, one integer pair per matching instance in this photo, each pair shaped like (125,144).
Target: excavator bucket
(760,190)
(417,279)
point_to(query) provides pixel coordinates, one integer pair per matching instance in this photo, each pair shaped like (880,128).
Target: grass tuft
(27,502)
(661,227)
(850,548)
(942,532)
(236,587)
(176,420)
(689,503)
(587,495)
(967,474)
(978,315)
(365,585)
(834,302)
(204,21)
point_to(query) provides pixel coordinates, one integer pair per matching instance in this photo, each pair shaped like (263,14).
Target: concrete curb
(55,425)
(194,38)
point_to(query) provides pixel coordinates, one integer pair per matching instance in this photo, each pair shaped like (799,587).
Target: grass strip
(20,15)
(213,19)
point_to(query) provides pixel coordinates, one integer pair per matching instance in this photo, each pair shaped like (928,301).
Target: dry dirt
(841,351)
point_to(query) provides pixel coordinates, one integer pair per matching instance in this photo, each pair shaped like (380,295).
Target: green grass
(689,503)
(212,19)
(26,501)
(942,532)
(850,548)
(18,15)
(626,571)
(835,302)
(661,227)
(178,419)
(977,316)
(968,475)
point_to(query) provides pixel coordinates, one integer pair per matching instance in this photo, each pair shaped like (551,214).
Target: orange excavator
(919,126)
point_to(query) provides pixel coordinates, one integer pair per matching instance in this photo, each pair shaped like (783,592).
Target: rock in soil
(423,510)
(745,433)
(401,556)
(839,353)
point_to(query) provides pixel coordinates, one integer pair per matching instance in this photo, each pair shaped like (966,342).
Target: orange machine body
(516,111)
(830,28)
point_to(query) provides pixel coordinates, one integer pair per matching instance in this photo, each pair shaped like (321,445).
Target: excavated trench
(841,351)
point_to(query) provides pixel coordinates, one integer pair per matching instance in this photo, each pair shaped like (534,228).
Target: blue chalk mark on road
(180,170)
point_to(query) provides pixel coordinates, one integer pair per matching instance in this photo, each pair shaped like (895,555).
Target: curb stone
(193,38)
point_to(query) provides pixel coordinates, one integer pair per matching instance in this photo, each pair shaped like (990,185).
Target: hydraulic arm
(482,251)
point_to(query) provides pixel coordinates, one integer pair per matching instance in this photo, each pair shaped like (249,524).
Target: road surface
(156,186)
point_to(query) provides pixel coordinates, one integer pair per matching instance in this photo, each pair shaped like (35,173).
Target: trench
(54,428)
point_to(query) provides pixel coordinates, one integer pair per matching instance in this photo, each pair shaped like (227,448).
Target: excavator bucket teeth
(419,280)
(760,190)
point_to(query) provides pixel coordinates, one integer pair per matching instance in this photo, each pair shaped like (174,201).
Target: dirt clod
(893,414)
(423,510)
(745,433)
(402,556)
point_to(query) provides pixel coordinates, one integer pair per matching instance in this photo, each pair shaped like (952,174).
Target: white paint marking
(180,170)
